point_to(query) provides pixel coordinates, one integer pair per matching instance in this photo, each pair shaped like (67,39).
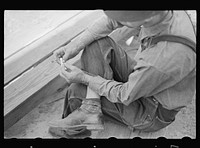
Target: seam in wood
(42,36)
(38,62)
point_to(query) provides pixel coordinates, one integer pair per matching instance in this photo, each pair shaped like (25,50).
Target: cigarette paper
(61,61)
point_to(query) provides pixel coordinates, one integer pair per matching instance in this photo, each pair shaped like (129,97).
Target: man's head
(136,18)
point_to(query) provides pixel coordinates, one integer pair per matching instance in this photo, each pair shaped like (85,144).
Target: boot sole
(94,126)
(87,126)
(59,132)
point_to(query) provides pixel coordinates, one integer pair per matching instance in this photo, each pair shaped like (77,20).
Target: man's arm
(100,28)
(145,81)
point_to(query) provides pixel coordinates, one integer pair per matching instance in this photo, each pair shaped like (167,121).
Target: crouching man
(144,92)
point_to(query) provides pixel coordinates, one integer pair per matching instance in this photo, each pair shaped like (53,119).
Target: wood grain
(28,85)
(33,101)
(22,27)
(23,60)
(24,93)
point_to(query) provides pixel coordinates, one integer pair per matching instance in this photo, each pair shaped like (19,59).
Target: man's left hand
(71,73)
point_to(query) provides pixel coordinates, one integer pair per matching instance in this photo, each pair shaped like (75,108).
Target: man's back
(175,60)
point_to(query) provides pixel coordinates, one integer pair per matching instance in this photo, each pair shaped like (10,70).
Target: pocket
(141,113)
(157,124)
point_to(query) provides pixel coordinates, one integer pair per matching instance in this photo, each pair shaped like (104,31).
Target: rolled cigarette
(67,69)
(61,61)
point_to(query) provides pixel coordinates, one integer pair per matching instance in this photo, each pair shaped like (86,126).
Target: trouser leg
(73,98)
(105,58)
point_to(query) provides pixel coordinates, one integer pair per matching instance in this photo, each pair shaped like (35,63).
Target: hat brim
(131,16)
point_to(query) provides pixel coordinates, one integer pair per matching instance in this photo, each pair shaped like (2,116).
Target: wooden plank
(19,90)
(26,58)
(22,27)
(29,84)
(33,101)
(24,89)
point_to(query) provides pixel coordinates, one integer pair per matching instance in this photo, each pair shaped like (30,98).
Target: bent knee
(98,47)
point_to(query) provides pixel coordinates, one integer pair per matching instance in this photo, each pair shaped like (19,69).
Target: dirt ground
(35,123)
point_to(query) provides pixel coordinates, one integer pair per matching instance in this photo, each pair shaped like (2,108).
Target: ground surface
(35,123)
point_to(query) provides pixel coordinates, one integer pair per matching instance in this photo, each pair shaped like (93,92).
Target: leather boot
(88,116)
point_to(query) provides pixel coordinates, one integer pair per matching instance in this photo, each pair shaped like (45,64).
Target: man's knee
(98,47)
(96,58)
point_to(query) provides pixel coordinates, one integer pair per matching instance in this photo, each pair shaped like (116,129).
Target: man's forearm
(81,41)
(92,80)
(100,28)
(88,77)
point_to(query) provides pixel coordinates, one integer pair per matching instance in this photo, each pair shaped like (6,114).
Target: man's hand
(65,52)
(72,74)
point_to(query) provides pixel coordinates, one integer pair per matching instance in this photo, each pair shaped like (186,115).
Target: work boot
(87,117)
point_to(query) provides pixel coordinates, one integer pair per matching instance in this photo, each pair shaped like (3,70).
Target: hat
(131,16)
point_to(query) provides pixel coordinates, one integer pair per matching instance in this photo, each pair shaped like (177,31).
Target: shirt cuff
(95,82)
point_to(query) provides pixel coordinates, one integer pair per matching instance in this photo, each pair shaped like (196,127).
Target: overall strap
(174,38)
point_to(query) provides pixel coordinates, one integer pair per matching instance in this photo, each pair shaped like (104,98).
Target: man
(144,92)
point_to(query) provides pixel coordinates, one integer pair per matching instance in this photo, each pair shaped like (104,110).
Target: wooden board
(30,55)
(22,27)
(33,101)
(26,86)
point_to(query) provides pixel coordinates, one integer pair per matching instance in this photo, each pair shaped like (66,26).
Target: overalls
(104,57)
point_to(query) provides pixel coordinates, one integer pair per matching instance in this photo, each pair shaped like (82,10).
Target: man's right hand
(66,52)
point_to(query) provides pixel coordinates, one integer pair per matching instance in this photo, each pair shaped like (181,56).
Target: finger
(63,73)
(65,69)
(62,68)
(68,81)
(65,57)
(59,54)
(57,59)
(61,61)
(68,65)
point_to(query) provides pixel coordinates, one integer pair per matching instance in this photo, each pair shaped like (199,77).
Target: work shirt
(166,70)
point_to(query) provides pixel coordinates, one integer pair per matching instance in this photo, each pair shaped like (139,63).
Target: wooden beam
(31,88)
(22,27)
(24,93)
(33,101)
(26,58)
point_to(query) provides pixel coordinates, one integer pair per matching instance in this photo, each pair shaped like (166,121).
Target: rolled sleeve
(98,29)
(102,27)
